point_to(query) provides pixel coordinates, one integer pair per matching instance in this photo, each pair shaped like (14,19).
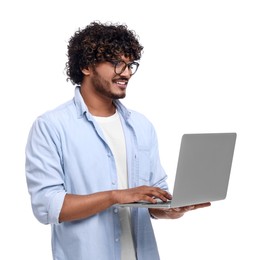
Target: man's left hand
(174,213)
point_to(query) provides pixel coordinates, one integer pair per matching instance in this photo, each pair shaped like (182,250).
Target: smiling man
(92,153)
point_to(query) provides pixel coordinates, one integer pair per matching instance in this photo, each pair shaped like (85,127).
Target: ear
(86,71)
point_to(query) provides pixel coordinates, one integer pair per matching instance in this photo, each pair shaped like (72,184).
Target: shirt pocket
(144,169)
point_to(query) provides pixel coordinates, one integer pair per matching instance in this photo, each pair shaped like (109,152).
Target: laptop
(203,171)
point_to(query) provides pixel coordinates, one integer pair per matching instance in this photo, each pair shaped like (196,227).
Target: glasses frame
(126,65)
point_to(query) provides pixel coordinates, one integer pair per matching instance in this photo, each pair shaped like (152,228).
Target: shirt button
(115,210)
(117,239)
(113,182)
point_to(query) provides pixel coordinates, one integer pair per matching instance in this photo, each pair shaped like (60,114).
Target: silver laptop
(203,170)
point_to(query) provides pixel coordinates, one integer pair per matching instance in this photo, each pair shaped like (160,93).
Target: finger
(174,213)
(154,191)
(149,199)
(161,194)
(189,208)
(196,206)
(202,205)
(150,194)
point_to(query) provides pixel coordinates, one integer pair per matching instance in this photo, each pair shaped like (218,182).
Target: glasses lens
(133,67)
(121,66)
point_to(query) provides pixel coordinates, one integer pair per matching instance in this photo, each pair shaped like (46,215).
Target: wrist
(114,196)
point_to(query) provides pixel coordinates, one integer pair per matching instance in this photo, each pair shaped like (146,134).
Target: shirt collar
(82,109)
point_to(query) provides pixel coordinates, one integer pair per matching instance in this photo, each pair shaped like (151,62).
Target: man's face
(107,83)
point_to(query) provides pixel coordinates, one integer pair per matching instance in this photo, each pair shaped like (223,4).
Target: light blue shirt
(66,152)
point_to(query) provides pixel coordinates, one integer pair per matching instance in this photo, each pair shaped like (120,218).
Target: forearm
(83,206)
(77,207)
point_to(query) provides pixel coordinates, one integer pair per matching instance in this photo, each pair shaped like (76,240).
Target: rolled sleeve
(44,173)
(55,207)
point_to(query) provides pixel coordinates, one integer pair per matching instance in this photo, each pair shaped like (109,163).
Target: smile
(121,83)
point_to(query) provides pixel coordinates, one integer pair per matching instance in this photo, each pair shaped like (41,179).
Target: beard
(104,87)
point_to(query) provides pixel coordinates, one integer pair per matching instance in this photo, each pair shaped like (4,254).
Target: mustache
(121,78)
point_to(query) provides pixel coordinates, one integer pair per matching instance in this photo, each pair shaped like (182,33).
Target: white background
(200,72)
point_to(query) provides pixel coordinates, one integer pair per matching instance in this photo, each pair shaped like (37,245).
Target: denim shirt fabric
(67,153)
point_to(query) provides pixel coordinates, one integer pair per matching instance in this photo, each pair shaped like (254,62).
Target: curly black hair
(99,42)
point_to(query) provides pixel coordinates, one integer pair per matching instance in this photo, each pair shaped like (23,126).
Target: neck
(98,106)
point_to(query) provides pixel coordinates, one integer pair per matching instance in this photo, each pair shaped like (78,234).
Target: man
(91,153)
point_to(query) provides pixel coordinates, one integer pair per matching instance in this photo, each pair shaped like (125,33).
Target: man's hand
(174,213)
(141,193)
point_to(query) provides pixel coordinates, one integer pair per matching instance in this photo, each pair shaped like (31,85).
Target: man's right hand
(141,193)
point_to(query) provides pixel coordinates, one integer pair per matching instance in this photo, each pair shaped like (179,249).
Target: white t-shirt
(113,132)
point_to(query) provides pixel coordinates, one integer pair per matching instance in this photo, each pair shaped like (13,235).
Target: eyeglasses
(120,67)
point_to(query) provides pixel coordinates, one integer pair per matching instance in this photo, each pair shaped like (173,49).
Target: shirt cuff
(55,207)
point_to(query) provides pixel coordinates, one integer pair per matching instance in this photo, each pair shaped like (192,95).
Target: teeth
(121,82)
